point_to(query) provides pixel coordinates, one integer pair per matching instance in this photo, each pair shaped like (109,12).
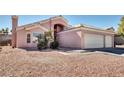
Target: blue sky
(100,21)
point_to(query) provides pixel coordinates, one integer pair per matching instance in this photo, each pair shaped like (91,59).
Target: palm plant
(6,30)
(53,43)
(49,35)
(2,30)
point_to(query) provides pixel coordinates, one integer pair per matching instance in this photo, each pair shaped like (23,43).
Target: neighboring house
(80,36)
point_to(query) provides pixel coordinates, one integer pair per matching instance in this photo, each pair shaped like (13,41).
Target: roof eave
(88,29)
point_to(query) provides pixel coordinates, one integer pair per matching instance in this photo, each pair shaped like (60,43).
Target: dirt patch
(19,62)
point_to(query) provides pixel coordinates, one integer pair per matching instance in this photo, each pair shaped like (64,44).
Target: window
(28,38)
(35,36)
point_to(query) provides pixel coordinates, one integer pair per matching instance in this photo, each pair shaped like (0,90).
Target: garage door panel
(93,41)
(108,41)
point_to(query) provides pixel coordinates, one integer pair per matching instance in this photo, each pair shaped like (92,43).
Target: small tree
(121,27)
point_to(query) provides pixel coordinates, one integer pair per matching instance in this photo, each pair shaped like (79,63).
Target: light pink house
(80,36)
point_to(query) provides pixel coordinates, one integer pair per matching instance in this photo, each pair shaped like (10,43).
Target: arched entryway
(58,28)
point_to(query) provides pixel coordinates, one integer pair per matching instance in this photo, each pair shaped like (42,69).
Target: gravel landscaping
(22,63)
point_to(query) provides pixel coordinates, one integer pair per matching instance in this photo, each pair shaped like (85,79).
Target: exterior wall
(50,24)
(58,21)
(70,39)
(46,25)
(22,38)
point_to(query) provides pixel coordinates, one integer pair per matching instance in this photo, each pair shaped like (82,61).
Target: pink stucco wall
(53,22)
(70,39)
(22,37)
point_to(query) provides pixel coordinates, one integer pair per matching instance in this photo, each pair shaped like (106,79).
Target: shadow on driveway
(118,51)
(110,50)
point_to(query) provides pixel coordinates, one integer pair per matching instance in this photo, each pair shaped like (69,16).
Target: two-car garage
(97,41)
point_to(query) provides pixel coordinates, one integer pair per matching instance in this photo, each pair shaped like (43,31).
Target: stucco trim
(36,26)
(32,27)
(97,31)
(67,31)
(89,30)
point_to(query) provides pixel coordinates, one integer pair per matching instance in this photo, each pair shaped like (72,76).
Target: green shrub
(54,45)
(42,42)
(41,45)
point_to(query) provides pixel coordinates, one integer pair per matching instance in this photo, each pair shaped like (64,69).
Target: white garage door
(93,41)
(108,41)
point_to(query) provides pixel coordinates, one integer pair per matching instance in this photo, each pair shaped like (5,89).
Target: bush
(54,45)
(41,45)
(42,42)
